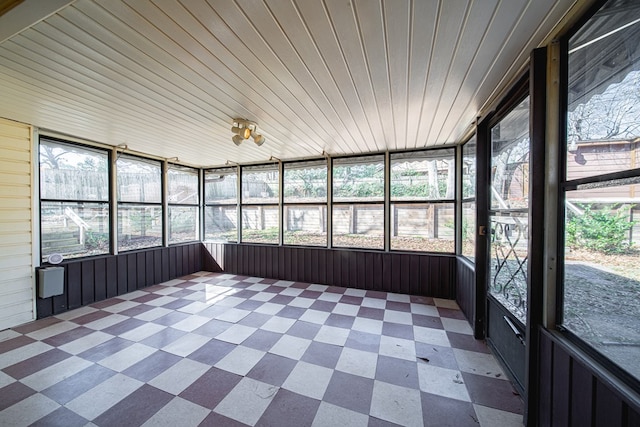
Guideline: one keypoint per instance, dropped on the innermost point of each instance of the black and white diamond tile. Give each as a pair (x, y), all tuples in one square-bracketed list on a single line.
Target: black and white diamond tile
[(219, 349)]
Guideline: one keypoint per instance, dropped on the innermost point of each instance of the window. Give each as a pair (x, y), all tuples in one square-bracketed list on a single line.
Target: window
[(358, 202), (260, 210), (601, 188), (305, 203), (139, 203), (469, 199), (422, 201), (221, 205), (74, 200), (183, 195)]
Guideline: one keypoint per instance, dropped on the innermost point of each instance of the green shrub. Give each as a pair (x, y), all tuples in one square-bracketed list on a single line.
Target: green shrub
[(96, 240), (603, 230), (399, 189)]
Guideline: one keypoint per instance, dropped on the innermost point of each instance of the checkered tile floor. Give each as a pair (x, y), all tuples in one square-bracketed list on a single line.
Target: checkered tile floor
[(224, 350)]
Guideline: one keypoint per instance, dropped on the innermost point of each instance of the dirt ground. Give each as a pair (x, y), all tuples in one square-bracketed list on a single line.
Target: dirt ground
[(627, 265), (602, 304)]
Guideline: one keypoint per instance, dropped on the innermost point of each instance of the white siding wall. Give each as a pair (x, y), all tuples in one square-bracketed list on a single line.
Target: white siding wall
[(16, 261)]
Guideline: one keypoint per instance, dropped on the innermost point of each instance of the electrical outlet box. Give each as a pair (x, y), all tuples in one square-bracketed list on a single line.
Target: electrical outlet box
[(50, 281)]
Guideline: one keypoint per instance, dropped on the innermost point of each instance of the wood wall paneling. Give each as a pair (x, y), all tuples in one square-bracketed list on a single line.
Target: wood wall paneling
[(100, 279), (344, 260), (256, 267), (166, 267), (183, 260), (633, 417), (268, 261), (176, 258), (415, 279), (561, 388), (194, 261), (243, 262), (248, 261), (229, 259), (157, 261), (465, 288), (438, 275), (150, 268), (329, 267), (93, 279), (308, 269), (290, 262), (141, 260), (419, 274), (112, 277), (310, 260), (354, 278), (546, 386), (299, 268), (171, 262), (368, 267), (262, 262), (58, 304), (45, 309), (394, 273), (74, 285), (132, 272), (187, 261), (233, 258), (122, 273), (335, 262), (340, 267), (425, 279), (435, 275), (608, 407), (582, 393), (88, 282), (573, 392), (378, 282)]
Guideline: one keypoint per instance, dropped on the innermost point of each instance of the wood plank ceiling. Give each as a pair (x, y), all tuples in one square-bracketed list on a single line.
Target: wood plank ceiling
[(166, 77)]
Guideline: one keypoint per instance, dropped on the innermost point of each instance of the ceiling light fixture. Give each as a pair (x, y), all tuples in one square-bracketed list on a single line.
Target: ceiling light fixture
[(245, 129)]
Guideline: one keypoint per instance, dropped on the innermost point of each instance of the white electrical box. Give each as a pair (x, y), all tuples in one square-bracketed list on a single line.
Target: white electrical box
[(50, 281)]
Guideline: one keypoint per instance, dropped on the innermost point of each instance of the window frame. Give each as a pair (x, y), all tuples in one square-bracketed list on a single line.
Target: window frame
[(106, 203), (341, 203), (470, 199), (236, 204), (435, 202), (196, 204), (119, 203), (244, 205), (566, 185), (285, 203), (115, 204)]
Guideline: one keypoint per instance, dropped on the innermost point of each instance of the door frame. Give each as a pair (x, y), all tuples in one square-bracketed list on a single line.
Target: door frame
[(533, 82), (505, 334)]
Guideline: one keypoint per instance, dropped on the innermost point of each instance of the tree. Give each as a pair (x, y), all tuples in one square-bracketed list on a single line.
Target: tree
[(51, 156), (90, 164), (451, 179), (612, 114)]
